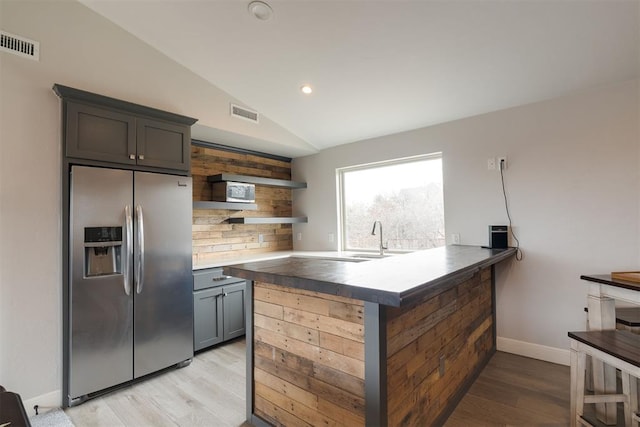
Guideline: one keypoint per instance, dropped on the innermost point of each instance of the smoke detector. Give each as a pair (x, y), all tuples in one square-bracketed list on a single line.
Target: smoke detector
[(260, 10)]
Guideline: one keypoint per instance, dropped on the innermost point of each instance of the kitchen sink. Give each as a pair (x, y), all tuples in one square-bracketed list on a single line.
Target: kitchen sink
[(373, 256), (345, 259)]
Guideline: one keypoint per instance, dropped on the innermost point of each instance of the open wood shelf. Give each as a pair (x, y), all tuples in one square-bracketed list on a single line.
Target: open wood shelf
[(270, 220), (256, 180), (236, 206), (269, 182)]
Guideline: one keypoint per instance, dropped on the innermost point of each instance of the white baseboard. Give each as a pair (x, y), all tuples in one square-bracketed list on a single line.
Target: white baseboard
[(45, 402), (535, 351)]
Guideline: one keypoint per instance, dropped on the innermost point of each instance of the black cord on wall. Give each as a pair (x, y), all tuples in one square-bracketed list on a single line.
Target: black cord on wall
[(519, 253)]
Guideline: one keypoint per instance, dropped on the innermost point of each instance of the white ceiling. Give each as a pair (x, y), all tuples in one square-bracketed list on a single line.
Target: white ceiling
[(381, 67)]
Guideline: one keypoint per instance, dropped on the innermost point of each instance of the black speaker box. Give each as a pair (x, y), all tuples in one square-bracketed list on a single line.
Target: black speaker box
[(498, 236)]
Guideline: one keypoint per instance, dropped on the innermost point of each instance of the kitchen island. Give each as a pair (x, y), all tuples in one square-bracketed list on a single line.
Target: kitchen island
[(391, 341)]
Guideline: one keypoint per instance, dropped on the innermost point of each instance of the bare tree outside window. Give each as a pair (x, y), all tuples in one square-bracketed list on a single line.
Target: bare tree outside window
[(405, 195)]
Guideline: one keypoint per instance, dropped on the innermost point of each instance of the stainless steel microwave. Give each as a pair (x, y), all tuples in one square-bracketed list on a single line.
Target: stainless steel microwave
[(228, 191)]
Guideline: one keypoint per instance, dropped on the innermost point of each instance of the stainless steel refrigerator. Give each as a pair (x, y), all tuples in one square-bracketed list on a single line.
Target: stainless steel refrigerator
[(130, 296)]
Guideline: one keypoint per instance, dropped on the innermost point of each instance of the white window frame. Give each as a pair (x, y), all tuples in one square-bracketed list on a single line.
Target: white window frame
[(341, 196)]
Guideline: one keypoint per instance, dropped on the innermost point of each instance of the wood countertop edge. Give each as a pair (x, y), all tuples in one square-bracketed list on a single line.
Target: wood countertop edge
[(377, 296), (453, 278)]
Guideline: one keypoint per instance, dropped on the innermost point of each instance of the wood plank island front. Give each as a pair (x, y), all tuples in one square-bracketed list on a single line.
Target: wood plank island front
[(389, 342)]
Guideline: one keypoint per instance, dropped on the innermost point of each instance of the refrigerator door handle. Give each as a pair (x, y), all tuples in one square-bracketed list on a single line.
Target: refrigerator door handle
[(140, 266), (128, 252)]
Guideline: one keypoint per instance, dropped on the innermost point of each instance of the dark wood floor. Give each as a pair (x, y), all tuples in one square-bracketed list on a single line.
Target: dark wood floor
[(516, 391), (511, 391)]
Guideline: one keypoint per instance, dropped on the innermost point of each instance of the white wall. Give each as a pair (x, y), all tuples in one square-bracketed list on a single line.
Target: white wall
[(573, 187), (78, 48)]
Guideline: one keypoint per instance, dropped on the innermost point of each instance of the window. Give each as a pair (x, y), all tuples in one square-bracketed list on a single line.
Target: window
[(405, 195)]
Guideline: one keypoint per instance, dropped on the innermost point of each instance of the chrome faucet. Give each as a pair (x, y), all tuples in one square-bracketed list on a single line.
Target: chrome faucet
[(373, 233)]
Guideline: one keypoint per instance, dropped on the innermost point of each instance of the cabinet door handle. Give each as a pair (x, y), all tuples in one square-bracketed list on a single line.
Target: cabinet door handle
[(141, 156), (225, 294), (132, 156)]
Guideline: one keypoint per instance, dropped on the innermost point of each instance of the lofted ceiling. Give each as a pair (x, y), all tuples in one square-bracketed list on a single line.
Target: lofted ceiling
[(382, 67)]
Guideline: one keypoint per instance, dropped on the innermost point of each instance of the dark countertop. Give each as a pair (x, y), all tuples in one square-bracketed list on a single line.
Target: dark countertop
[(395, 281)]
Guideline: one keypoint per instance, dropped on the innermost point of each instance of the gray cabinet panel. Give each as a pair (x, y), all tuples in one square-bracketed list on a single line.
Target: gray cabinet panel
[(211, 277), (100, 134), (233, 309), (207, 318), (163, 145)]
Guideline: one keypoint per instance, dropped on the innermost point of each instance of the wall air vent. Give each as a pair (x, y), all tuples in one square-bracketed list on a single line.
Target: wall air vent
[(243, 113), (19, 46)]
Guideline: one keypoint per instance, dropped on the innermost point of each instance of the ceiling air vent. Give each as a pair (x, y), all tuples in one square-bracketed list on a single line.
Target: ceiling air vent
[(19, 46), (243, 113)]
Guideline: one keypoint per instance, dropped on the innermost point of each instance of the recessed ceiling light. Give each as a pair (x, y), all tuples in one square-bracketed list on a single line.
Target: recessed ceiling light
[(306, 89), (260, 10)]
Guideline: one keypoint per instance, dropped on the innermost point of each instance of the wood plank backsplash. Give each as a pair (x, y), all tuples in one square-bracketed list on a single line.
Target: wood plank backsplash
[(214, 239)]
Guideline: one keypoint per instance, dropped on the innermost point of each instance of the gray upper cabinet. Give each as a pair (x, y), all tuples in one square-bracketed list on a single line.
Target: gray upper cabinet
[(100, 134), (163, 145), (104, 129)]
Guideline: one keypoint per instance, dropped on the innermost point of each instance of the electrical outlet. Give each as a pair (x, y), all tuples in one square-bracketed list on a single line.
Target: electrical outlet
[(455, 238), (491, 163), (502, 163), (260, 238), (299, 236), (331, 237)]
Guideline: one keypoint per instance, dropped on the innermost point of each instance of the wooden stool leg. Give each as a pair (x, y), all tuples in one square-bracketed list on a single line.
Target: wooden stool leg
[(573, 355), (589, 378), (602, 316), (633, 399), (627, 401), (578, 372)]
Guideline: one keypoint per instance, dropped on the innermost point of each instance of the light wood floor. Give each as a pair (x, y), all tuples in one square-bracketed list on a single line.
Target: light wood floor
[(512, 390), (208, 392)]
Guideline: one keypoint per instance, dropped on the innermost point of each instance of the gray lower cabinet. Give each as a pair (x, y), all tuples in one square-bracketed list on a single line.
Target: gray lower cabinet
[(207, 318), (233, 310), (218, 308)]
